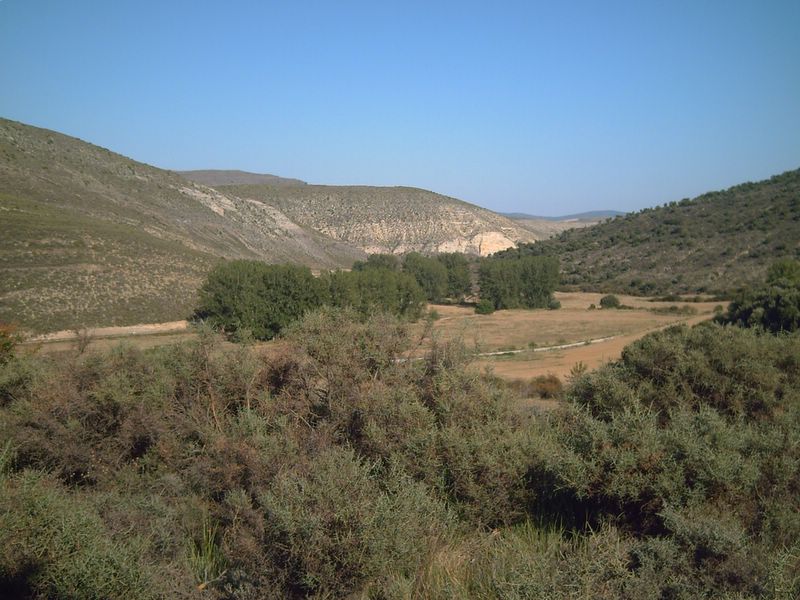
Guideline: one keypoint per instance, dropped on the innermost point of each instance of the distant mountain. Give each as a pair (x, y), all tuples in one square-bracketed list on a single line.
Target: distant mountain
[(212, 177), (89, 237), (390, 219), (591, 215), (713, 243)]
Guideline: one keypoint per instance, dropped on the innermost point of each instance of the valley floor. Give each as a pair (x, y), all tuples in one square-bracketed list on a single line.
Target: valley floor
[(514, 344)]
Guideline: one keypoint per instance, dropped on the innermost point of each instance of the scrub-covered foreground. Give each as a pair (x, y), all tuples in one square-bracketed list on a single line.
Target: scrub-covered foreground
[(339, 469)]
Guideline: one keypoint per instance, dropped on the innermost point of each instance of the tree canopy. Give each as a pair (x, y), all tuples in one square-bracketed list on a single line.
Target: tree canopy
[(524, 282)]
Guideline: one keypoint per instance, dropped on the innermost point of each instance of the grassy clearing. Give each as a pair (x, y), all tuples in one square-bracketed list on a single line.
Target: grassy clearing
[(574, 322)]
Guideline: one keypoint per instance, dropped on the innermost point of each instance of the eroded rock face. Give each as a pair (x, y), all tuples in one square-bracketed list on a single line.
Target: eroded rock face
[(393, 220)]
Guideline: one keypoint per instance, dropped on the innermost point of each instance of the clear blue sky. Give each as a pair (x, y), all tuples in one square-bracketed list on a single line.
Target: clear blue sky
[(546, 108)]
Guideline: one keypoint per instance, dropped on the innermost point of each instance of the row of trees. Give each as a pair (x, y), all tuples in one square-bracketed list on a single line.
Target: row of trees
[(441, 277), (522, 282), (263, 299)]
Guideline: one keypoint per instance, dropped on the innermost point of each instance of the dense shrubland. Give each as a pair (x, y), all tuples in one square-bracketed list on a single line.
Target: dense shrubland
[(336, 467)]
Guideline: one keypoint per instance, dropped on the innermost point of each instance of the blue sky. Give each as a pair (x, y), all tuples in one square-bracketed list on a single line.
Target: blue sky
[(546, 108)]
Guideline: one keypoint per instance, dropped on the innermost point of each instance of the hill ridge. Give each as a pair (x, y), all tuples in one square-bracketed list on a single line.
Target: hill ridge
[(716, 242)]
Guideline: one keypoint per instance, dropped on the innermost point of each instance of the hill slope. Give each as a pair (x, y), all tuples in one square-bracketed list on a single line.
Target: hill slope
[(715, 242), (215, 177), (547, 227), (89, 237), (391, 219)]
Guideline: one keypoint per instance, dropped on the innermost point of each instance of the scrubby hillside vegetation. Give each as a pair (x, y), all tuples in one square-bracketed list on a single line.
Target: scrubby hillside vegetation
[(214, 177), (89, 237), (338, 468), (392, 220), (715, 243)]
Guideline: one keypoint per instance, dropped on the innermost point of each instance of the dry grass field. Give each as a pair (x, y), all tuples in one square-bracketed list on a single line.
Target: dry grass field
[(523, 335), (520, 338)]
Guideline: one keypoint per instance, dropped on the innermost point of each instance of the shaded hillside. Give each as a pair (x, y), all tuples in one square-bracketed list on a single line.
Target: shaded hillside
[(89, 237), (715, 243), (392, 219), (214, 177)]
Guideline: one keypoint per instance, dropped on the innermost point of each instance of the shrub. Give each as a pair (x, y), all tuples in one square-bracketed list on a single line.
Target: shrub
[(9, 338), (53, 546), (484, 307), (338, 529), (547, 386), (609, 301)]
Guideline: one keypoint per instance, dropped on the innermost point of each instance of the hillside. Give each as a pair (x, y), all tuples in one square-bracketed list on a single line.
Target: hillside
[(215, 177), (89, 237), (713, 243), (391, 219), (590, 215)]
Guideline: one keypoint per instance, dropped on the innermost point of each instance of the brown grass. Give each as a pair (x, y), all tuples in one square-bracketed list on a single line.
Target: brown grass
[(512, 330)]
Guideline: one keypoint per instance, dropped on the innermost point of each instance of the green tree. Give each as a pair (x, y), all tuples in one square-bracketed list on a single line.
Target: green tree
[(378, 261), (256, 296), (784, 272), (459, 282), (526, 282), (431, 275), (773, 307), (373, 290)]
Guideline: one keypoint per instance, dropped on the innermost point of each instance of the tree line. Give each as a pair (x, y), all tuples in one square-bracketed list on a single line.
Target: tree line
[(246, 295)]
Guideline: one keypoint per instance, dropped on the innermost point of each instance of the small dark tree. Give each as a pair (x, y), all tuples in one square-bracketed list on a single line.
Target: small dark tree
[(609, 301), (378, 261)]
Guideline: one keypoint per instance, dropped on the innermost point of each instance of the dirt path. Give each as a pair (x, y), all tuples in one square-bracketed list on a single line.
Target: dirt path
[(106, 332), (559, 362)]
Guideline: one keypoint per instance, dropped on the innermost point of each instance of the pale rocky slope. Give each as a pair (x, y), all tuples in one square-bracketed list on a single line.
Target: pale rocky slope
[(392, 220)]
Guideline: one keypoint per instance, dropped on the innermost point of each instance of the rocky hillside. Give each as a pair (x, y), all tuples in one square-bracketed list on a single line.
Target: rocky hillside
[(713, 243), (89, 237), (391, 219)]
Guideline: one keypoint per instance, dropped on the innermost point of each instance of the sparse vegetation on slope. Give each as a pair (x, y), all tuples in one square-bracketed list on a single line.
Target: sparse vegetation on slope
[(715, 243), (89, 237), (392, 220)]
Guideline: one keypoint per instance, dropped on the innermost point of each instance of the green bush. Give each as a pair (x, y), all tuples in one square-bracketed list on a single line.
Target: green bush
[(54, 546), (484, 307), (609, 301), (349, 463)]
